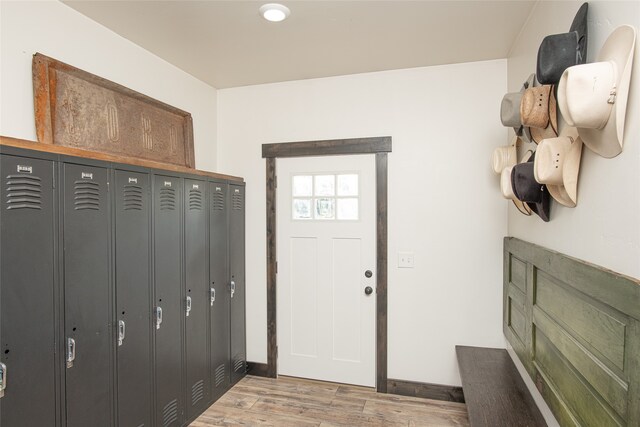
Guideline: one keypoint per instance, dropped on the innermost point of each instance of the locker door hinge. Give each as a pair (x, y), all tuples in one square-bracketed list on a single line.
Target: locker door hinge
[(276, 267), (53, 180), (108, 186), (276, 181)]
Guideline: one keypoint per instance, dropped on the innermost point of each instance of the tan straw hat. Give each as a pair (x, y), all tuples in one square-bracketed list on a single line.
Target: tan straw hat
[(593, 97), (557, 164), (507, 190), (538, 112), (504, 156)]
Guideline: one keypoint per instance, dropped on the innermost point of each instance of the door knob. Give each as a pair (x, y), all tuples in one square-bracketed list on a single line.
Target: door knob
[(368, 274), (368, 290)]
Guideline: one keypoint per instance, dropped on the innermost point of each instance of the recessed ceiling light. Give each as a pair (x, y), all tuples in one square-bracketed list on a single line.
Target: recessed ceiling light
[(274, 12)]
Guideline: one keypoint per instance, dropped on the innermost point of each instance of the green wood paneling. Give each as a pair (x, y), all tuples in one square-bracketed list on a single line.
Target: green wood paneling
[(576, 329), (518, 274), (595, 325), (518, 297), (603, 380), (518, 322), (584, 403)]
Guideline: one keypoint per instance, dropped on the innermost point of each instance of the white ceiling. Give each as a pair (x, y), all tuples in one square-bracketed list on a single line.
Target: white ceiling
[(228, 44)]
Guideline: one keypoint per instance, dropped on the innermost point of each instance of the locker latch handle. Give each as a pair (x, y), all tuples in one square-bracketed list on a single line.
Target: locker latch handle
[(3, 378), (71, 352), (233, 288), (158, 317), (121, 332), (188, 306), (212, 294)]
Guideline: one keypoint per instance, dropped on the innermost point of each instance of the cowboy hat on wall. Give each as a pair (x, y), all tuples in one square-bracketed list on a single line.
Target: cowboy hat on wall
[(538, 112), (557, 165), (527, 189), (558, 52), (510, 109), (507, 189), (505, 156), (593, 97)]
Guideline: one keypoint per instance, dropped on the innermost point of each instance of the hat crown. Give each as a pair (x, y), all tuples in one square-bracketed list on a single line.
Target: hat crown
[(550, 158), (589, 92), (534, 106), (503, 157), (505, 183), (510, 109)]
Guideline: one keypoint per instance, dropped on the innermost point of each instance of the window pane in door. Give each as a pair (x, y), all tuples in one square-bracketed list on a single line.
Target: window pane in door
[(325, 208), (302, 185), (325, 185), (301, 209), (348, 185), (348, 209)]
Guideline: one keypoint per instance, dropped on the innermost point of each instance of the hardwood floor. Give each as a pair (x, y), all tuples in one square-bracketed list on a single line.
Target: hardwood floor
[(299, 402)]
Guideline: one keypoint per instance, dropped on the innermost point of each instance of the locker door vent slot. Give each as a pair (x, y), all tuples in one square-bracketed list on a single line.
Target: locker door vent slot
[(238, 363), (132, 195), (86, 195), (237, 202), (197, 392), (218, 201), (220, 374), (167, 199), (24, 192), (170, 413), (195, 200)]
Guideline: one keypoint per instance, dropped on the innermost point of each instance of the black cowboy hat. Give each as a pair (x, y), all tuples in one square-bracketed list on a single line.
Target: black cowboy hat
[(558, 52), (526, 189)]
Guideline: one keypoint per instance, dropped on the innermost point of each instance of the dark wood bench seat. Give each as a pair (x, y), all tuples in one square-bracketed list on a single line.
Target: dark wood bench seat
[(494, 391)]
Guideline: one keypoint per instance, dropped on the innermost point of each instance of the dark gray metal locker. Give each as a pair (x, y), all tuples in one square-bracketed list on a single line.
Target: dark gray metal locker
[(88, 296), (237, 282), (168, 300), (219, 283), (133, 298), (27, 289), (196, 295)]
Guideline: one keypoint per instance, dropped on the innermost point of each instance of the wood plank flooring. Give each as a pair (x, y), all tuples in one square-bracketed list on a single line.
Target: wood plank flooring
[(258, 401)]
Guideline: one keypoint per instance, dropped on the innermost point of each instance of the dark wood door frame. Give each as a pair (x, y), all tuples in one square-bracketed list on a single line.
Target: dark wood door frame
[(379, 146)]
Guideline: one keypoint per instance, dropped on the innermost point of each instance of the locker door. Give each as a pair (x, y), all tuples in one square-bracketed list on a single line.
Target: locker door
[(133, 298), (88, 320), (27, 323), (196, 295), (237, 282), (168, 310), (219, 283)]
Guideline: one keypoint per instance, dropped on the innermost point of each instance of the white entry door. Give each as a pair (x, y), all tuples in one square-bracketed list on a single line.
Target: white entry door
[(326, 268)]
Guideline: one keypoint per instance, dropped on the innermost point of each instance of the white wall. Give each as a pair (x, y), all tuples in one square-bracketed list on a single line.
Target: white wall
[(605, 226), (443, 199), (56, 30)]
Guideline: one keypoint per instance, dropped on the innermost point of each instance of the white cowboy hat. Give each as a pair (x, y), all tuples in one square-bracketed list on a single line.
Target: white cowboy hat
[(593, 97), (557, 164), (505, 156), (507, 189)]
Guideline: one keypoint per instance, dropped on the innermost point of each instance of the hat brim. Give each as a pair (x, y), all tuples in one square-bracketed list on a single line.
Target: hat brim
[(619, 48), (542, 209)]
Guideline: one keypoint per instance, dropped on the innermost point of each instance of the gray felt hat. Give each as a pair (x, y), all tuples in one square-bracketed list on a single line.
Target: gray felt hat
[(510, 110)]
